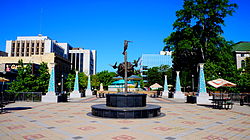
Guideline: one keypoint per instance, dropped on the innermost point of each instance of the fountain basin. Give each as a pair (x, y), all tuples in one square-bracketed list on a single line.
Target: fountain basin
[(101, 110)]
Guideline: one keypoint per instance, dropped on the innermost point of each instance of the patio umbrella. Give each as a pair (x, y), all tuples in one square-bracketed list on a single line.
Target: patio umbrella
[(117, 78), (121, 82), (2, 79), (221, 83), (134, 77), (155, 86)]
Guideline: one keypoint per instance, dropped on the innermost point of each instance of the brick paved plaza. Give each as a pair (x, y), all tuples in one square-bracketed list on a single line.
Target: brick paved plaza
[(73, 120)]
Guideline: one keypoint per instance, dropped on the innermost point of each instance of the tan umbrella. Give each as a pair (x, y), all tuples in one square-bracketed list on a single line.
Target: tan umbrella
[(2, 79), (221, 83), (155, 86)]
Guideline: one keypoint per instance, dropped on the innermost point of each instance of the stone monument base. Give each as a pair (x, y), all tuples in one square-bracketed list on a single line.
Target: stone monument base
[(203, 99), (165, 93), (179, 95), (88, 92), (50, 98), (75, 94), (126, 105)]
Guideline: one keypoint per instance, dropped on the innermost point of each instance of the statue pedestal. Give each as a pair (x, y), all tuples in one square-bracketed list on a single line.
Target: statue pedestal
[(88, 92), (165, 94), (179, 95), (50, 97), (75, 94), (203, 99)]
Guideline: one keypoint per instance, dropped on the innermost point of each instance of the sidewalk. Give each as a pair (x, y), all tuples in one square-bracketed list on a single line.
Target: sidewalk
[(73, 120)]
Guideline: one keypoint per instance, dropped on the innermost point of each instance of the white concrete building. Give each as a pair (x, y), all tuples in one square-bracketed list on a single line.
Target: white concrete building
[(26, 46), (83, 60), (30, 46)]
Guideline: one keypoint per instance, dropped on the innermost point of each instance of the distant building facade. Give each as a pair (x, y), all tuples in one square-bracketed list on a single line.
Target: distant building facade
[(148, 61), (3, 53), (83, 60), (38, 49), (242, 51)]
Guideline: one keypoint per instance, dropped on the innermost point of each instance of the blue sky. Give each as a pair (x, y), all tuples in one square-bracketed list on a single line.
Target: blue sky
[(103, 25)]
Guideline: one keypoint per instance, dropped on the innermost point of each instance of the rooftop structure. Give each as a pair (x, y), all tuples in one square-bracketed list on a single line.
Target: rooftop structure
[(154, 60), (242, 51)]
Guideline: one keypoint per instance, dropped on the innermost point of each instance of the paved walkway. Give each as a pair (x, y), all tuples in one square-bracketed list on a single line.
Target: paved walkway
[(73, 120)]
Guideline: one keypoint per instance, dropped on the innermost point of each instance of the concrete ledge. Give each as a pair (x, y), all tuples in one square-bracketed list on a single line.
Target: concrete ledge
[(204, 100), (179, 95), (88, 92), (75, 94), (165, 93), (50, 98)]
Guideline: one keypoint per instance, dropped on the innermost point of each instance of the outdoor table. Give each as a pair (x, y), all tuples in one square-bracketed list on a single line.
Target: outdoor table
[(222, 103)]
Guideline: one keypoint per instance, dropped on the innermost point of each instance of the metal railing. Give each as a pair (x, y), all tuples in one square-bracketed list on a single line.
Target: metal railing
[(28, 96)]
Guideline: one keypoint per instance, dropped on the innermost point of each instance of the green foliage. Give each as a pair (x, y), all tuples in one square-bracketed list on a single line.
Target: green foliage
[(95, 81), (26, 81), (156, 75), (106, 77), (247, 68), (197, 39), (83, 80), (70, 81), (42, 81)]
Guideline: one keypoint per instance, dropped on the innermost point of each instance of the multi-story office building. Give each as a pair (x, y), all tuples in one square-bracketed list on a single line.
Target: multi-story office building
[(83, 60), (154, 60), (38, 49), (242, 51), (35, 45)]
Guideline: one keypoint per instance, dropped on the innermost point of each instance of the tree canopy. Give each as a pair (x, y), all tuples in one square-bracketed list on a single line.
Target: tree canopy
[(27, 81), (156, 75), (197, 38)]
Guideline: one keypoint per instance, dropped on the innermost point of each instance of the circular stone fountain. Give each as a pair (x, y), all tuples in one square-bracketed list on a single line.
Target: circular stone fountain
[(126, 105)]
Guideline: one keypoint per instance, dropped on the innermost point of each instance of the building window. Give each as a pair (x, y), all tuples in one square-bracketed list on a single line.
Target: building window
[(243, 64), (13, 49), (242, 55)]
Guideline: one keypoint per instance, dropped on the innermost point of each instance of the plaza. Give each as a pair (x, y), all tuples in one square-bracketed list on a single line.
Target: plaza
[(73, 120)]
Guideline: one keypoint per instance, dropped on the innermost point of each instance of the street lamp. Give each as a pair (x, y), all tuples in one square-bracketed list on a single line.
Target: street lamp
[(192, 82), (62, 85)]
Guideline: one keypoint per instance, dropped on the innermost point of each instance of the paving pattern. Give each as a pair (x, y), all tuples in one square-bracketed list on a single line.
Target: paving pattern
[(73, 120)]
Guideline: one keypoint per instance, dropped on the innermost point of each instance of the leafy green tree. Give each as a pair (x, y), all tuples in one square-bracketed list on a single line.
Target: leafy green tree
[(247, 68), (106, 77), (25, 81), (156, 75), (197, 36), (95, 81), (42, 80), (70, 81), (83, 81)]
